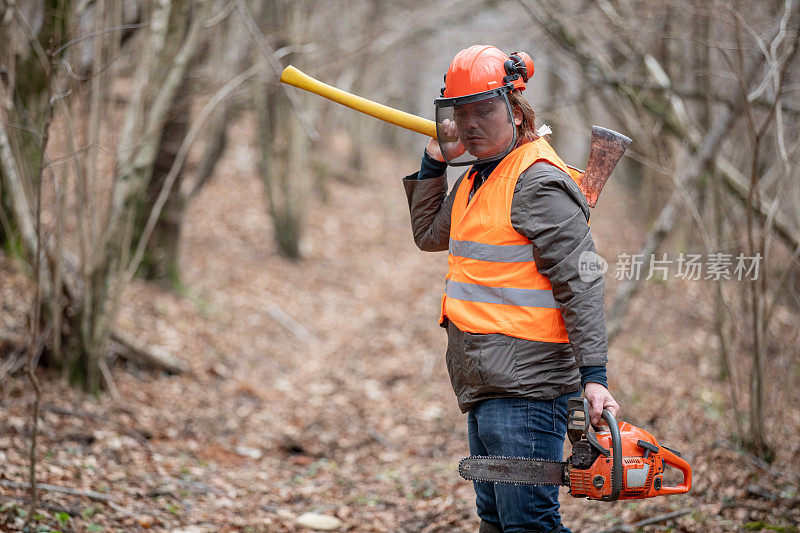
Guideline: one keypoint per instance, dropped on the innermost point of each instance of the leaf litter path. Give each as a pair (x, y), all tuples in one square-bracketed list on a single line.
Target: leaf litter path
[(320, 385)]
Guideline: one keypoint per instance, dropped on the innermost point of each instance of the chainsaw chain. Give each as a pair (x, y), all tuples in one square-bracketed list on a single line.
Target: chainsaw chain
[(504, 457)]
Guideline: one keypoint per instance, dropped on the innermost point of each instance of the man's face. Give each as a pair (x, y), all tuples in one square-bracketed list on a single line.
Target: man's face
[(484, 128)]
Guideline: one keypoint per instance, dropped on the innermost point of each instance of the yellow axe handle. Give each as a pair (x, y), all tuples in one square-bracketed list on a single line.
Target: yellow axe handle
[(294, 77)]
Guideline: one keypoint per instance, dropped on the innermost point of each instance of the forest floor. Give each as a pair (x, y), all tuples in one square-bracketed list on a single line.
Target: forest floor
[(345, 409)]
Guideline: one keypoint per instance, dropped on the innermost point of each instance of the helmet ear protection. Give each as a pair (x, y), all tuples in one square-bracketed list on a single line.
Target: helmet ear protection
[(519, 65)]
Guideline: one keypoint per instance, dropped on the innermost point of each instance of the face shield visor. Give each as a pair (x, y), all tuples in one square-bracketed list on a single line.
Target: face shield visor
[(475, 129)]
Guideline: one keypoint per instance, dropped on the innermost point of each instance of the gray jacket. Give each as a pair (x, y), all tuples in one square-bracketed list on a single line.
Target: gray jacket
[(549, 209)]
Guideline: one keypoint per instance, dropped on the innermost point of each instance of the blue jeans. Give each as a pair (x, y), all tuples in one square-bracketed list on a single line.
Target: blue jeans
[(518, 427)]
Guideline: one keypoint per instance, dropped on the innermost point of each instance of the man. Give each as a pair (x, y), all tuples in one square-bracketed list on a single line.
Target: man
[(525, 332)]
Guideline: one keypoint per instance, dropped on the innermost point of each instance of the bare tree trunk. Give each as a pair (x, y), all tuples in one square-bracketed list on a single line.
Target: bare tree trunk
[(160, 259), (34, 348), (284, 145), (7, 231), (229, 55)]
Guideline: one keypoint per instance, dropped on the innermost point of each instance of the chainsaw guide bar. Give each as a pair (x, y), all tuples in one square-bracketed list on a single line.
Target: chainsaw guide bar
[(513, 470)]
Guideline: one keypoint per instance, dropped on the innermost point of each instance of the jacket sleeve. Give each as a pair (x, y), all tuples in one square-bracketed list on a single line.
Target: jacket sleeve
[(430, 208), (550, 209)]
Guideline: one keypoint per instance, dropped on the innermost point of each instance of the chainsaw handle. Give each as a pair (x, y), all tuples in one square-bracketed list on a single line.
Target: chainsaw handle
[(578, 424), (616, 457), (669, 458)]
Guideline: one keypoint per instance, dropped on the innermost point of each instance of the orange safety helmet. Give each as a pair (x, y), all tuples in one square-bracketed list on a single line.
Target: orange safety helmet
[(474, 117), (482, 68)]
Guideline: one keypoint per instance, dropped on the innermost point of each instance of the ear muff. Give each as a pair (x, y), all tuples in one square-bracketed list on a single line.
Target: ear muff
[(515, 65), (518, 65), (524, 64), (511, 70)]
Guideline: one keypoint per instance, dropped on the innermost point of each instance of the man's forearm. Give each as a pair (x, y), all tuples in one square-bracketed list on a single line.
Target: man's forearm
[(594, 374), (430, 205), (431, 228), (585, 320)]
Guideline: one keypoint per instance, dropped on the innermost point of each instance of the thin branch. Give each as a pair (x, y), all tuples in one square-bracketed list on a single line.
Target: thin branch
[(694, 94), (99, 32), (22, 127), (34, 348), (222, 15), (56, 306), (108, 378), (56, 508), (269, 54), (622, 528), (63, 490), (42, 55), (71, 73), (68, 158), (290, 324), (8, 337), (137, 435), (135, 350)]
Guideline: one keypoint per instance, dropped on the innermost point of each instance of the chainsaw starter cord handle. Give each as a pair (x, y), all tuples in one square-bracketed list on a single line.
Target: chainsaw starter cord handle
[(616, 457)]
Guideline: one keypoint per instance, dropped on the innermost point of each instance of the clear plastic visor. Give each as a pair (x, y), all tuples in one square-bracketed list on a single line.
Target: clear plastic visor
[(475, 130)]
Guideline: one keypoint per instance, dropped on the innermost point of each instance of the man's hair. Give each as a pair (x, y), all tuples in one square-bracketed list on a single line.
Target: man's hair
[(526, 132)]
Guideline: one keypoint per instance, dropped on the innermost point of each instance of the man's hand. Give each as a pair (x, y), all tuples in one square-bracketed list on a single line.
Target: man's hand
[(599, 399), (451, 142), (434, 151)]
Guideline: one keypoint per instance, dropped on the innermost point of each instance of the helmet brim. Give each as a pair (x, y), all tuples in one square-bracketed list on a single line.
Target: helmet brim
[(470, 98)]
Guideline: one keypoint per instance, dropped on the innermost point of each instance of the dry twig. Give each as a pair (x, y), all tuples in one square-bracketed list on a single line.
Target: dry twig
[(130, 348), (622, 528), (56, 488)]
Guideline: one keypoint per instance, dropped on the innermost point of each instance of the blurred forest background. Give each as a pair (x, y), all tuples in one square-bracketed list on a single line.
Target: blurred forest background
[(213, 316)]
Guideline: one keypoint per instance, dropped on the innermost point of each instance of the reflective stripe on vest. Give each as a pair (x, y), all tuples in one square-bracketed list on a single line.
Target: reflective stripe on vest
[(512, 253), (500, 295), (493, 285)]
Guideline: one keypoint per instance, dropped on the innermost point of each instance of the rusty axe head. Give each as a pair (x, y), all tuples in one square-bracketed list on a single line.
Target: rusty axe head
[(606, 147)]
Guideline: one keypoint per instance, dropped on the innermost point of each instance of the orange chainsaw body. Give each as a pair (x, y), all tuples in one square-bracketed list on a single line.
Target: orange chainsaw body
[(643, 464)]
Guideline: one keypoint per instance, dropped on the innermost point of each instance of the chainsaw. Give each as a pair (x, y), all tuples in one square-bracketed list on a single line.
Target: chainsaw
[(623, 463)]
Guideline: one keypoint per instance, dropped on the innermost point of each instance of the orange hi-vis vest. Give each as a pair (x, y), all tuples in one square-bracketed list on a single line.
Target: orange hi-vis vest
[(492, 284)]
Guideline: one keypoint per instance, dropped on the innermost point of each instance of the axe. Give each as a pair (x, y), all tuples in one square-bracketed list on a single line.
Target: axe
[(605, 148)]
